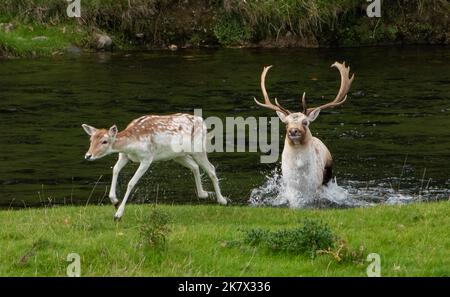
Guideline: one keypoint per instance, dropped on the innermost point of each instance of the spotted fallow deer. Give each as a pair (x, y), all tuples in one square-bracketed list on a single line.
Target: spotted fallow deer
[(306, 162), (154, 138)]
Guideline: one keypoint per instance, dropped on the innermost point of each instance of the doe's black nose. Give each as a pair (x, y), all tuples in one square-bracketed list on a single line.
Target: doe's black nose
[(87, 156)]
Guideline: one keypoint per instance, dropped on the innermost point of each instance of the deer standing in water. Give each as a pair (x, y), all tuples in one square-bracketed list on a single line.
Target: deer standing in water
[(306, 162), (154, 138)]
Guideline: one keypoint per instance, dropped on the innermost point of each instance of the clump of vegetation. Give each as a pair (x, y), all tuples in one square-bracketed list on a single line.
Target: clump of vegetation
[(154, 229), (306, 239), (230, 30), (343, 253), (312, 238), (273, 19), (309, 238), (255, 237)]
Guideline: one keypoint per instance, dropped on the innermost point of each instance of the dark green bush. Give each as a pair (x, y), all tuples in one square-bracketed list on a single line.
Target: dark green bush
[(230, 30), (255, 237), (306, 239)]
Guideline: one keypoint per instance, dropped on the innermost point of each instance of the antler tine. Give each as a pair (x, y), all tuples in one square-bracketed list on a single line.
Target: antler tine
[(267, 103), (346, 82), (281, 107), (263, 84), (304, 107)]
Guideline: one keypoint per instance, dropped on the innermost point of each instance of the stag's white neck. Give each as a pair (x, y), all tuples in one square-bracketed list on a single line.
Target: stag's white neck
[(302, 170)]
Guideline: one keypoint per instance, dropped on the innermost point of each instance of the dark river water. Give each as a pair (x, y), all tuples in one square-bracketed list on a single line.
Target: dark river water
[(391, 136)]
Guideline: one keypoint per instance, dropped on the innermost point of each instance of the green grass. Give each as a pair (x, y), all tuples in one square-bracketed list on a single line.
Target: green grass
[(412, 240), (20, 42)]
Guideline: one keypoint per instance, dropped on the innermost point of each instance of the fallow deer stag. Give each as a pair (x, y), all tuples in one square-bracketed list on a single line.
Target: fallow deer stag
[(154, 138), (306, 162)]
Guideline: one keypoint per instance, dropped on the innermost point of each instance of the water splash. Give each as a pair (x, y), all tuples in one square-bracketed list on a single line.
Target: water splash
[(351, 194), (274, 192)]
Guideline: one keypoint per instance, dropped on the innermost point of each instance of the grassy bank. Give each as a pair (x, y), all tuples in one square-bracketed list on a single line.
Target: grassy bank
[(142, 24), (199, 240)]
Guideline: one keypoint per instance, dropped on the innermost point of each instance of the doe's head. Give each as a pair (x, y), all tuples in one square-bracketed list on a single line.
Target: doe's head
[(101, 141)]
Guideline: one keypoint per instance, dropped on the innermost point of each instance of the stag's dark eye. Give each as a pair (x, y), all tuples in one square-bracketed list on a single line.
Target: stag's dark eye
[(305, 123), (105, 142)]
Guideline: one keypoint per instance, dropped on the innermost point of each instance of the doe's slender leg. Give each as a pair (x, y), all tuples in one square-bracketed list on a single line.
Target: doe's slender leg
[(121, 162), (202, 160), (143, 167), (188, 162)]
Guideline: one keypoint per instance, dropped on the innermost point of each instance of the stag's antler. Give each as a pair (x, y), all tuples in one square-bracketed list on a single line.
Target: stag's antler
[(341, 96), (267, 103)]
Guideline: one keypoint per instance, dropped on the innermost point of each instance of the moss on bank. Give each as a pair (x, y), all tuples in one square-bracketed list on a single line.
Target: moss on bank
[(39, 40), (200, 240), (269, 23)]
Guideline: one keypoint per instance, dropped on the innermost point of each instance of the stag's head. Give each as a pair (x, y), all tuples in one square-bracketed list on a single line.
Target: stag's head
[(297, 123), (101, 141)]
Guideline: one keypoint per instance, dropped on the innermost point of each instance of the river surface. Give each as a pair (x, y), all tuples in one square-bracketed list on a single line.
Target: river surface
[(390, 141)]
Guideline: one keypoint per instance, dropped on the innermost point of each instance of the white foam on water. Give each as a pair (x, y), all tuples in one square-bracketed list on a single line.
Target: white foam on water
[(400, 199), (339, 196), (274, 192)]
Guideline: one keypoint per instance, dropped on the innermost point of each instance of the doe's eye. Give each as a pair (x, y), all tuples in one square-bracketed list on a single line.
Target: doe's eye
[(104, 142), (305, 123)]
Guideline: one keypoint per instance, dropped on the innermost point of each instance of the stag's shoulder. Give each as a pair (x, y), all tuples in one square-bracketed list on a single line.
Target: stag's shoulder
[(326, 159), (320, 146), (322, 151)]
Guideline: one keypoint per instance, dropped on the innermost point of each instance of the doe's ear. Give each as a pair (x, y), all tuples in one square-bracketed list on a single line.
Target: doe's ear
[(314, 114), (282, 116), (113, 131), (89, 129)]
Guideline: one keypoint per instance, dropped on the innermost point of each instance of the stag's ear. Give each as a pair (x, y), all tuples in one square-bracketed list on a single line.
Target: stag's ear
[(113, 131), (89, 129), (314, 114), (282, 116)]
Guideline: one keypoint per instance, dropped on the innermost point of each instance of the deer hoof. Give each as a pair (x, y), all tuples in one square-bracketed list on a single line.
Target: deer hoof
[(203, 194), (117, 218), (222, 201)]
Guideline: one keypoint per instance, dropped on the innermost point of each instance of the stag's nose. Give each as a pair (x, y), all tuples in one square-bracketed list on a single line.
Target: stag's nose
[(294, 132), (88, 156)]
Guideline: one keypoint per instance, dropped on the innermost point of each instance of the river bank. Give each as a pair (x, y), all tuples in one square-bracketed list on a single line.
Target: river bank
[(42, 28)]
